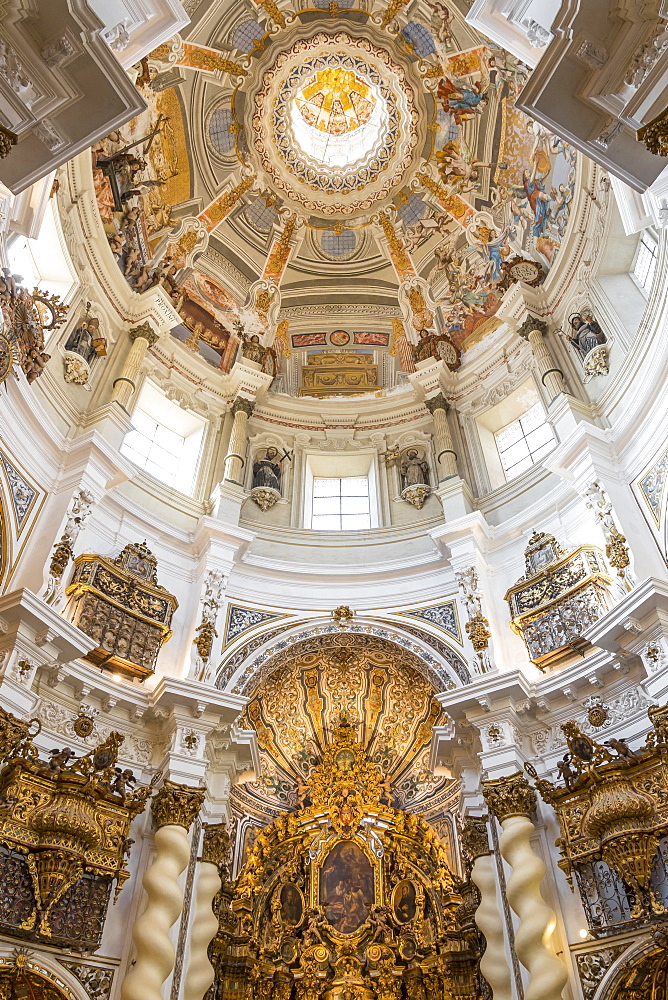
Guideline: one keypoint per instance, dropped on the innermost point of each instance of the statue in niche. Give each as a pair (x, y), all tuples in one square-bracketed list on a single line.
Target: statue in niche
[(86, 339), (267, 471), (414, 469), (590, 343), (587, 334)]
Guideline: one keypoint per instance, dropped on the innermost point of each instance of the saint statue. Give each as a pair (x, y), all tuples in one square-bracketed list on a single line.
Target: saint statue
[(86, 339), (267, 471), (253, 350), (587, 333), (414, 470)]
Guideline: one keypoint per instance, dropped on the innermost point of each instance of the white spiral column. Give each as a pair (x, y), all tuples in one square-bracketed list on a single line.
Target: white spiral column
[(174, 808), (494, 963), (512, 801), (212, 867)]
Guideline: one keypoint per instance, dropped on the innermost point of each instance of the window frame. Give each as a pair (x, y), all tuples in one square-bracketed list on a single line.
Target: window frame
[(649, 240), (199, 430), (362, 464), (524, 437)]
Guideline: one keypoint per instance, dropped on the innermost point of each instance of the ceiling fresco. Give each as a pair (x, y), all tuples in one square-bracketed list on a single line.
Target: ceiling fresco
[(295, 710), (290, 141)]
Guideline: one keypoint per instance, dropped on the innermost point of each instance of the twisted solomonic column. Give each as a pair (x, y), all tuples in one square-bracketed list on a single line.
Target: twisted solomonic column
[(174, 809), (512, 800), (494, 963), (212, 867)]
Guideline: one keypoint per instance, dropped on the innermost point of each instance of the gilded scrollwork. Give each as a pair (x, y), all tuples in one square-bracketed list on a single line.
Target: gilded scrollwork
[(119, 603), (612, 806), (561, 594), (64, 834), (347, 896)]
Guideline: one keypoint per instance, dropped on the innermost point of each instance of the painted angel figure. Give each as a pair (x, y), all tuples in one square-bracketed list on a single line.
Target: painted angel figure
[(461, 101), (458, 166), (443, 19)]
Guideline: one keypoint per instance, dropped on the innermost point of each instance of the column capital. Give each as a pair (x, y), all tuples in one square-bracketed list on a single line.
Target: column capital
[(530, 324), (177, 805), (474, 837), (509, 796), (216, 844), (144, 330), (437, 402), (241, 403)]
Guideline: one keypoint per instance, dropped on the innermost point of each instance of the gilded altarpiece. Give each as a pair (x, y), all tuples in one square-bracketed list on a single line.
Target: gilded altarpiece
[(346, 897)]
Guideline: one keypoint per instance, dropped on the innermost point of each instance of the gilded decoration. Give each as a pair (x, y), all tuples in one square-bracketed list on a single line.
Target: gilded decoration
[(63, 835), (346, 895), (120, 605), (509, 796), (559, 597), (335, 123), (612, 805), (338, 373), (387, 699), (177, 805)]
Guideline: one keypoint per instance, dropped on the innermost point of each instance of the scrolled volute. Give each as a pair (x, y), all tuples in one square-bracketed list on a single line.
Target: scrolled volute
[(177, 805), (509, 796)]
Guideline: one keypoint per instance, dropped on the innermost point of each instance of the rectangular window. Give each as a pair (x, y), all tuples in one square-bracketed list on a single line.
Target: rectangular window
[(341, 504), (645, 263), (165, 440), (524, 442)]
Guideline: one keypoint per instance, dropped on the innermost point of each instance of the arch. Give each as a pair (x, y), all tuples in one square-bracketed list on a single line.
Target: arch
[(443, 668), (43, 978), (641, 970)]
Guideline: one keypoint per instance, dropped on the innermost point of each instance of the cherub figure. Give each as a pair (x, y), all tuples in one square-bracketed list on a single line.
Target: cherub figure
[(623, 750), (59, 759), (566, 771)]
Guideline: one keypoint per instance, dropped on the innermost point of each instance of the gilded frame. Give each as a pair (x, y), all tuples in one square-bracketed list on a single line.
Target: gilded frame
[(317, 864)]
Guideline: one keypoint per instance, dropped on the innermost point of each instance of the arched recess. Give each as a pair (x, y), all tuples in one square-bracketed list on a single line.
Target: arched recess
[(444, 668), (640, 972), (300, 686), (22, 977)]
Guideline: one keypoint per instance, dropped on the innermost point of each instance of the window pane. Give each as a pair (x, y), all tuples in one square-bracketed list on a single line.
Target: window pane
[(326, 487), (509, 434), (521, 466), (169, 440), (543, 450), (326, 523), (515, 453), (357, 487), (144, 423), (355, 522), (354, 505), (539, 436), (532, 418), (138, 442), (326, 505)]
